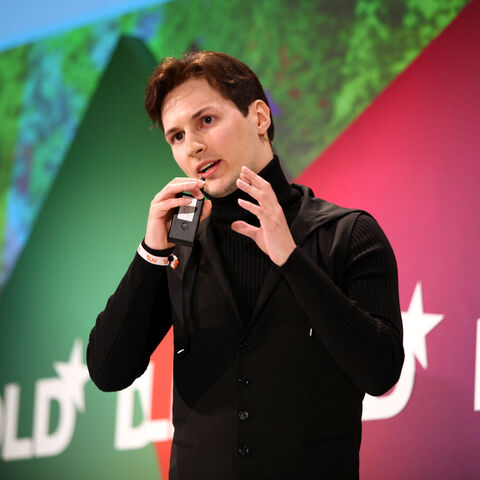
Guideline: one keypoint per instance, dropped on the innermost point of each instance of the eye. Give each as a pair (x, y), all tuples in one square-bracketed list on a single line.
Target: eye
[(208, 119), (177, 137)]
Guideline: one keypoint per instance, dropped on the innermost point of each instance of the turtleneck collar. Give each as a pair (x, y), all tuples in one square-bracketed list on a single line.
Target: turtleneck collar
[(227, 208)]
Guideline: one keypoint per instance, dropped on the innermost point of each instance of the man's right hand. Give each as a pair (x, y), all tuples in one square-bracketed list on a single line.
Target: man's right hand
[(161, 209)]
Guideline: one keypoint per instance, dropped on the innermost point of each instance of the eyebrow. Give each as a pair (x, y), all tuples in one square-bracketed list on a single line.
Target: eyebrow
[(194, 117)]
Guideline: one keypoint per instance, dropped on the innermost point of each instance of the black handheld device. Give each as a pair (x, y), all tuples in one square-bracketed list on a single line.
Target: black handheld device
[(185, 221)]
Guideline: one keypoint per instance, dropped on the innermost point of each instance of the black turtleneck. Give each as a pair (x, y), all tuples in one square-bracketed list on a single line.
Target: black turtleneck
[(245, 264)]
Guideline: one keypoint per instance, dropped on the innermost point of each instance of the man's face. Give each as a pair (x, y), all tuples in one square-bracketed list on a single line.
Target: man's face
[(209, 136)]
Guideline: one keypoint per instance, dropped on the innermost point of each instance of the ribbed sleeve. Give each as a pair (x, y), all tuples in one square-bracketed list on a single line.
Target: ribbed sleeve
[(135, 319), (361, 327)]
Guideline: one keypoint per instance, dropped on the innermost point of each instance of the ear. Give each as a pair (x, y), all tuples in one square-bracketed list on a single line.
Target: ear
[(262, 116)]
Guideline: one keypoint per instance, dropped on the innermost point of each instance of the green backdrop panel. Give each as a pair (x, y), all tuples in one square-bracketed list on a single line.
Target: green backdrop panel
[(80, 247)]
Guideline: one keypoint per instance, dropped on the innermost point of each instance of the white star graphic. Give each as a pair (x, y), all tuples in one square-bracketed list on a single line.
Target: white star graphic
[(416, 325), (74, 375)]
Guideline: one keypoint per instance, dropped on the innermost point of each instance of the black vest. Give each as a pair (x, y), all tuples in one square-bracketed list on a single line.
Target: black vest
[(264, 400)]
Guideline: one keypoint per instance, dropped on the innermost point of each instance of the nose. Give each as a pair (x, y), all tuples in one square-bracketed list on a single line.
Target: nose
[(195, 146)]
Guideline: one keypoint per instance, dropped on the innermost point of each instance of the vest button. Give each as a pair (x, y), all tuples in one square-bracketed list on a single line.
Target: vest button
[(243, 381), (244, 450), (245, 347), (243, 415)]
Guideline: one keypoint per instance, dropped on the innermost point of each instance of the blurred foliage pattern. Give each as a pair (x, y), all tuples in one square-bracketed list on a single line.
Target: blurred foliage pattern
[(321, 62)]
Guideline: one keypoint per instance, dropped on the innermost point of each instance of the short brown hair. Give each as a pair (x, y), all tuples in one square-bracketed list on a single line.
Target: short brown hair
[(232, 78)]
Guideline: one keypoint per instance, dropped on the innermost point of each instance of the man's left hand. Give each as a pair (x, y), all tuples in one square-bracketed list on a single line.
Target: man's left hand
[(273, 236)]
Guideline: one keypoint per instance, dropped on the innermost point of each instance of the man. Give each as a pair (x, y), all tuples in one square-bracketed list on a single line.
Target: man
[(285, 311)]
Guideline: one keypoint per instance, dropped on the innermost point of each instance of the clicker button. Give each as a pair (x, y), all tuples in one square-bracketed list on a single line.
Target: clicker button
[(243, 381), (244, 450), (243, 415)]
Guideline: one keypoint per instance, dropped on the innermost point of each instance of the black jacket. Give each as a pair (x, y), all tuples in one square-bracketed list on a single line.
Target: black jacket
[(280, 398)]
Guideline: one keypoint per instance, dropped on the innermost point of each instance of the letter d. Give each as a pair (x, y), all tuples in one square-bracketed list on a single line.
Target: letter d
[(49, 444)]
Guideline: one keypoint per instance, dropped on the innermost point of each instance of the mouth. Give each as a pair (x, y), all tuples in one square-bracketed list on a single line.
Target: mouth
[(208, 169)]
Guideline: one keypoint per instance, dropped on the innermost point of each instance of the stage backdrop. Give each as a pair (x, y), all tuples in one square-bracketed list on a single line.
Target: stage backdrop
[(321, 62), (410, 159)]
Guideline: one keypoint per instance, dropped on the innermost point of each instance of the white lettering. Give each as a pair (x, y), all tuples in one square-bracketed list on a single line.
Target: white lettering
[(416, 326), (387, 406), (14, 448), (129, 437), (67, 390), (49, 444)]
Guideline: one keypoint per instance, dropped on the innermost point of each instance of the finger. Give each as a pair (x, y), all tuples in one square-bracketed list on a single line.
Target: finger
[(251, 177), (245, 229), (251, 207), (259, 189), (160, 208), (183, 179), (186, 186), (250, 189), (196, 192), (170, 190), (173, 188)]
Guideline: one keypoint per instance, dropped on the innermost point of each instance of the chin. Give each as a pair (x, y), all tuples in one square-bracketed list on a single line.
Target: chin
[(220, 191)]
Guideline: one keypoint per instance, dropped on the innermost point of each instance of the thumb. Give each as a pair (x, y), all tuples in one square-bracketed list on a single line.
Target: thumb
[(206, 210)]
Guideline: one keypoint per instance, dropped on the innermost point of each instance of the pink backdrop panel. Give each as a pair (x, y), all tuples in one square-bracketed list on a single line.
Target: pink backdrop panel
[(412, 160)]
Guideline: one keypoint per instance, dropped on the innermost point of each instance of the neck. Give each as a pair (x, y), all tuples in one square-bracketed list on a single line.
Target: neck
[(265, 155)]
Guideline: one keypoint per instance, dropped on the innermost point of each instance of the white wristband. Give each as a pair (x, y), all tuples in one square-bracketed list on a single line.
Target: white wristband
[(171, 260)]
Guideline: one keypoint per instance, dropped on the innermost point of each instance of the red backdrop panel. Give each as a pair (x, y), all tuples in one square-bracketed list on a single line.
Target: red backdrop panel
[(412, 160)]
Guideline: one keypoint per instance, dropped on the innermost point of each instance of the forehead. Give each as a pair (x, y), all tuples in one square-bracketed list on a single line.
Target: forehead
[(188, 98)]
